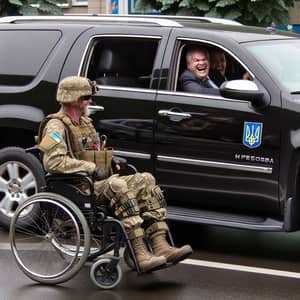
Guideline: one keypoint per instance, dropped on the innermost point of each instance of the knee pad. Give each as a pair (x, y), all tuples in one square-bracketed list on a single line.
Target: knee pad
[(121, 200), (155, 199), (127, 209), (157, 193)]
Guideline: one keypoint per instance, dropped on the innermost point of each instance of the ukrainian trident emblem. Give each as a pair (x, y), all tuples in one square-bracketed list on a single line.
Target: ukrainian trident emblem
[(252, 134)]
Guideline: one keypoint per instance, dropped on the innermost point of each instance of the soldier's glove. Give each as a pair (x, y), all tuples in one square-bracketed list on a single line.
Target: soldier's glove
[(118, 161), (99, 174)]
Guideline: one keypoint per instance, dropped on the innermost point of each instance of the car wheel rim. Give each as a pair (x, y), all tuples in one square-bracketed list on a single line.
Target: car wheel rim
[(17, 183)]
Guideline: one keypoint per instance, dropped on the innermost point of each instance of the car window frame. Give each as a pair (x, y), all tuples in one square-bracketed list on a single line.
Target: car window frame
[(180, 42), (88, 52)]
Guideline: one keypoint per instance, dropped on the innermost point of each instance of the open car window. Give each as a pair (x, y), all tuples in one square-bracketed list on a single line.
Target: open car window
[(233, 69)]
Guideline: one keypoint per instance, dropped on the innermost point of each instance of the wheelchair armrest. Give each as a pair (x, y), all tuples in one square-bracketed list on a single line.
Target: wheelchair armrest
[(84, 176), (129, 170), (126, 168), (62, 176), (34, 150), (132, 168)]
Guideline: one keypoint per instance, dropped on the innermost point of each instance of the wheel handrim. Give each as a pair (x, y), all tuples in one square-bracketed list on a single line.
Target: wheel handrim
[(44, 245)]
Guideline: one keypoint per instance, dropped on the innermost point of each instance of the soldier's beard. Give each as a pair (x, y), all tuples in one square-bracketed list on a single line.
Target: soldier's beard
[(84, 110)]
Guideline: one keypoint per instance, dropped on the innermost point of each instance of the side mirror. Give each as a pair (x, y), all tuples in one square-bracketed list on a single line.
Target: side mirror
[(244, 90)]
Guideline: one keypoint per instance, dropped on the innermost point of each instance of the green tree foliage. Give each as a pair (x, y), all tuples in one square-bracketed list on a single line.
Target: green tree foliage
[(30, 7), (250, 12)]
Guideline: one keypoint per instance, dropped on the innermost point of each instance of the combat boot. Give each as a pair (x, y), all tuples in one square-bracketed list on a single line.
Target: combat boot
[(161, 247), (146, 260)]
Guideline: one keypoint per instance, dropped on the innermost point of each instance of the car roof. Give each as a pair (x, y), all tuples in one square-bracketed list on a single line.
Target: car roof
[(218, 26)]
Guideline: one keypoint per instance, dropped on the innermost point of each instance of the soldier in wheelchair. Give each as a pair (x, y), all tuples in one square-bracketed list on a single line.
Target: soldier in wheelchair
[(70, 144)]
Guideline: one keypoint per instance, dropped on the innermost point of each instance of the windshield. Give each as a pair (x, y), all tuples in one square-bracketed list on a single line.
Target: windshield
[(281, 58)]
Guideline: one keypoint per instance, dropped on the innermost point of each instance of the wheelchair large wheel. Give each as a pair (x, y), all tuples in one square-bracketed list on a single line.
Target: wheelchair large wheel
[(56, 244), (21, 176), (106, 274)]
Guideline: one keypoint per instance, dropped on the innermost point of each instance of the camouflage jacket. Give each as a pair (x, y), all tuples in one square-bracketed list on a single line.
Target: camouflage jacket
[(59, 154)]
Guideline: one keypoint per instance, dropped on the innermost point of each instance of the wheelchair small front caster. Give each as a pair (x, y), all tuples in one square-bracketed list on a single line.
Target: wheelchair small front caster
[(105, 273)]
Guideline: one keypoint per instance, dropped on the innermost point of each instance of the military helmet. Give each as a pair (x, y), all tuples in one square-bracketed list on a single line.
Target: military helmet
[(73, 87)]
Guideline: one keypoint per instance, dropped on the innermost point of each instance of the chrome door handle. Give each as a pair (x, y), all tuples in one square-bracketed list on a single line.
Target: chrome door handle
[(174, 114), (94, 108)]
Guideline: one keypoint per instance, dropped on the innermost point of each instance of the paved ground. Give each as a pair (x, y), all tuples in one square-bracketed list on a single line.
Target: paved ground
[(209, 275)]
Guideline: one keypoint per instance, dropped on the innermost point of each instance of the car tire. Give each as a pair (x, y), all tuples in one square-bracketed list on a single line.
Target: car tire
[(21, 176)]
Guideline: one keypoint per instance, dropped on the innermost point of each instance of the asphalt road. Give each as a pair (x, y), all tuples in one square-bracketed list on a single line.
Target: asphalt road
[(227, 264)]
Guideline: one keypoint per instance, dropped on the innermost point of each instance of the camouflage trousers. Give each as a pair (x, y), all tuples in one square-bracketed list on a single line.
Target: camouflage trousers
[(133, 198)]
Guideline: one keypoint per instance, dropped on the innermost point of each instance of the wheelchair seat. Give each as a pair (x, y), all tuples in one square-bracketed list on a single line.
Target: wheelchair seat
[(71, 187)]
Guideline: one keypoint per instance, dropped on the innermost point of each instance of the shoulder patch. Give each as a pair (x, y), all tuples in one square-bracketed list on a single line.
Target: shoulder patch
[(49, 141), (56, 137)]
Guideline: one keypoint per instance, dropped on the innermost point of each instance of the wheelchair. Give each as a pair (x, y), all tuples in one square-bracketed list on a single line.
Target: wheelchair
[(68, 231)]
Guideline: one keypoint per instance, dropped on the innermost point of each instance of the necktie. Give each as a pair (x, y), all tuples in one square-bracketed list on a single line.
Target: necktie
[(209, 83)]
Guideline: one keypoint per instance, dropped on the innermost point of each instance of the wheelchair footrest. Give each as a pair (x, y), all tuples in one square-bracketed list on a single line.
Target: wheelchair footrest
[(167, 265)]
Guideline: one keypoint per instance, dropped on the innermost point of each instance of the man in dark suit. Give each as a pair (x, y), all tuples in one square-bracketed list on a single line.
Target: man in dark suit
[(195, 78)]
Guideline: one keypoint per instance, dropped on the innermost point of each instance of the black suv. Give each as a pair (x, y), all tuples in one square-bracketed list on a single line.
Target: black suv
[(229, 160)]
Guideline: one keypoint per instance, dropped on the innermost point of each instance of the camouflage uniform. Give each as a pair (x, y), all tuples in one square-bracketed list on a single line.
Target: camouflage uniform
[(134, 198), (68, 147)]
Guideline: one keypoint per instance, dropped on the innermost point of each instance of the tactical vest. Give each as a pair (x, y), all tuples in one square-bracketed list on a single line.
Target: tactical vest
[(82, 141)]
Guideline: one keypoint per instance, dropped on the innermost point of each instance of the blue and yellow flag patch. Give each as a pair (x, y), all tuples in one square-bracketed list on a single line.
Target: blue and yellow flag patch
[(56, 137)]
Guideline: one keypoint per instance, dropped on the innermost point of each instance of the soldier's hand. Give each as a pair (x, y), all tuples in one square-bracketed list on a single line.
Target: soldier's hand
[(99, 174), (118, 163)]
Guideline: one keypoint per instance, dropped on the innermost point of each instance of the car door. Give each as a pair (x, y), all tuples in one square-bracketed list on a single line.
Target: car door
[(206, 158), (125, 64)]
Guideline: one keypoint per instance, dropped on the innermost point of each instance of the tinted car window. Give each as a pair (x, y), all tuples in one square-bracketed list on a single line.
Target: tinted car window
[(19, 64), (281, 59), (123, 61)]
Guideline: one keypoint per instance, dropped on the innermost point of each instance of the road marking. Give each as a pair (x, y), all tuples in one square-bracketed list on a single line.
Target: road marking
[(241, 268), (4, 246), (205, 263)]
